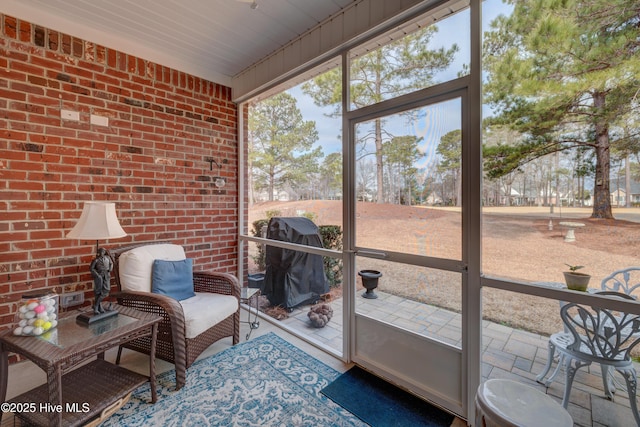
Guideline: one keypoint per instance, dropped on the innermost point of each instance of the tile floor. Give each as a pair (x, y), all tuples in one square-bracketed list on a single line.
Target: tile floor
[(508, 353)]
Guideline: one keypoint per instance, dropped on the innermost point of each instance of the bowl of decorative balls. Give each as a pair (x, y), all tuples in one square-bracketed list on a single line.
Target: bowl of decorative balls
[(37, 314)]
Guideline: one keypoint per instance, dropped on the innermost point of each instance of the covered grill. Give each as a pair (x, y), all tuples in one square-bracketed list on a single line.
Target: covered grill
[(293, 277)]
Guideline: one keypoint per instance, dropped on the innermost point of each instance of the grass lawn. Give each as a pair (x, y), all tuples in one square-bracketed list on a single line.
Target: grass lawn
[(516, 243)]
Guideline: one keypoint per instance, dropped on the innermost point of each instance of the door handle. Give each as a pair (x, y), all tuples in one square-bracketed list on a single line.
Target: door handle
[(372, 254)]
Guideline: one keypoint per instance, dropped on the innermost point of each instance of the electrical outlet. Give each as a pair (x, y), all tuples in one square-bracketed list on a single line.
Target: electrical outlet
[(71, 298), (99, 120)]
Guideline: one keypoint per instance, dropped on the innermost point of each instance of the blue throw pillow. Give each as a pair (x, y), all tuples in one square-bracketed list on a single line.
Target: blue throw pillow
[(173, 278)]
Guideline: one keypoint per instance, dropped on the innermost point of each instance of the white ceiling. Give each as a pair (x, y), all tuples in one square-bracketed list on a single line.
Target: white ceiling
[(213, 39)]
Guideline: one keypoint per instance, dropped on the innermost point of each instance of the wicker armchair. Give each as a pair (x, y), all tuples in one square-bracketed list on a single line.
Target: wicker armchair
[(173, 342)]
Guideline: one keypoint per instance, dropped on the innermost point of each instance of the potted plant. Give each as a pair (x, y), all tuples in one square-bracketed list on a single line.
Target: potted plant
[(576, 281)]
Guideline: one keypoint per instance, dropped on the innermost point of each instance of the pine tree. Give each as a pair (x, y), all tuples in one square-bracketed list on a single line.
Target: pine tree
[(562, 72), (281, 150), (394, 69)]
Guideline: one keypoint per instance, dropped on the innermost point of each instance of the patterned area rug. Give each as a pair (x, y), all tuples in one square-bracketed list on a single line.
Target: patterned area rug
[(263, 382)]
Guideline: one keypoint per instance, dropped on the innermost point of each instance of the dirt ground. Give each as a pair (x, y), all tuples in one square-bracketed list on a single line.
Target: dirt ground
[(516, 243)]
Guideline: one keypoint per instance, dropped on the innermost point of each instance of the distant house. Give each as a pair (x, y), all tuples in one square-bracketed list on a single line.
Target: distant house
[(521, 197), (281, 196), (278, 195), (433, 199), (619, 193)]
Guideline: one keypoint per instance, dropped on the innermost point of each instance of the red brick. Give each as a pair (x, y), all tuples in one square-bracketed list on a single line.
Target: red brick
[(43, 120), (13, 135), (76, 71), (50, 67), (25, 31), (77, 47), (13, 94), (46, 187), (14, 115), (101, 54), (89, 52), (18, 54), (10, 27), (65, 43), (43, 100), (53, 39), (21, 87)]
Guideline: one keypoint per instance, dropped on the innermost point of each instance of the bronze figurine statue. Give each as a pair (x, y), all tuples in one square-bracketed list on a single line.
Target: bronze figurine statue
[(101, 268)]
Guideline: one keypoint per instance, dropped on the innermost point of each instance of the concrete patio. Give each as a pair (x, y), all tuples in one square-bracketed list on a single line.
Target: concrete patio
[(507, 353)]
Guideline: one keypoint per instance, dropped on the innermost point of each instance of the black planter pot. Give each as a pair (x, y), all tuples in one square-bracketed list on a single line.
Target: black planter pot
[(370, 282)]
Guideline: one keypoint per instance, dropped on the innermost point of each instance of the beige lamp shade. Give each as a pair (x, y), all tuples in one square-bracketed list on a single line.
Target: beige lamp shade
[(98, 221)]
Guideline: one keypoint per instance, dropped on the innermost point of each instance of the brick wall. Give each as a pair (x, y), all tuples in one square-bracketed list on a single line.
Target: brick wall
[(152, 159)]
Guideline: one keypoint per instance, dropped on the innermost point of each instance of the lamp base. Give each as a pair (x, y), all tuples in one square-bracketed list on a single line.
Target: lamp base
[(90, 317)]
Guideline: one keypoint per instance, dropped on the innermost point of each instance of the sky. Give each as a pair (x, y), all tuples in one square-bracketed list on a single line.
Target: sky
[(436, 120)]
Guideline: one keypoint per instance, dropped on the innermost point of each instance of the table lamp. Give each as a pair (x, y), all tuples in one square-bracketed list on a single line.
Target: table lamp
[(98, 221)]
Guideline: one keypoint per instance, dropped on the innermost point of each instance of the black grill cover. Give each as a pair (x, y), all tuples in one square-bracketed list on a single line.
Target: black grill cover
[(292, 277)]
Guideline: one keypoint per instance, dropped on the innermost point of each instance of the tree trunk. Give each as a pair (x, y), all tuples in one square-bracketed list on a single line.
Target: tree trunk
[(602, 195), (506, 185), (459, 187), (627, 179), (271, 184), (556, 167), (378, 131), (379, 164)]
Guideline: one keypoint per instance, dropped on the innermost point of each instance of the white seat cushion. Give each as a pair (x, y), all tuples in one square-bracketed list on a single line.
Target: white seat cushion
[(136, 265), (200, 312), (206, 310)]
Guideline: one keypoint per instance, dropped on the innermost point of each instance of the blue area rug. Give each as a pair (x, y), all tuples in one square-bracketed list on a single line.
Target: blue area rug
[(381, 404), (263, 382)]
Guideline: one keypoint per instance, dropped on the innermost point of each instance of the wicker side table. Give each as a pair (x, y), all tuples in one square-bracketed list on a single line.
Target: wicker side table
[(77, 392)]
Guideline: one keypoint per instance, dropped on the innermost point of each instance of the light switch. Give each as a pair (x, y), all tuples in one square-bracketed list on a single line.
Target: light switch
[(70, 115)]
